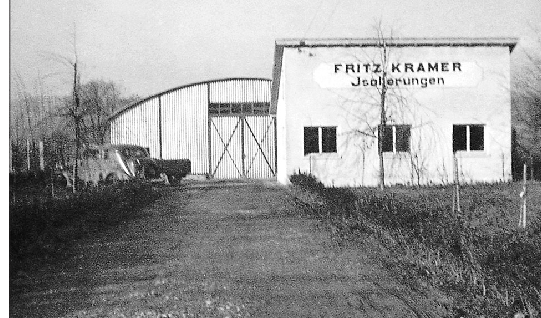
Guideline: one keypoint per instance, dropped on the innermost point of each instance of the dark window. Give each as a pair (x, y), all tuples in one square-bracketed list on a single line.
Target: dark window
[(214, 108), (396, 138), (468, 137), (403, 138), (387, 135), (319, 140), (261, 108), (311, 140), (248, 108), (328, 139), (225, 108), (236, 108), (459, 138), (239, 108), (477, 137)]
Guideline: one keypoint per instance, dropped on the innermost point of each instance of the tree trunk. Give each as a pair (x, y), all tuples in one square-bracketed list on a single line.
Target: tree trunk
[(77, 133), (382, 119)]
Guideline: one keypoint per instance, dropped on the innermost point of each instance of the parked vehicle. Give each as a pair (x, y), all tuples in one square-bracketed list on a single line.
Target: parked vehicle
[(111, 163)]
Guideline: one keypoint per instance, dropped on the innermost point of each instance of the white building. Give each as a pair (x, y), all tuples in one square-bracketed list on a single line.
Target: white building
[(445, 99)]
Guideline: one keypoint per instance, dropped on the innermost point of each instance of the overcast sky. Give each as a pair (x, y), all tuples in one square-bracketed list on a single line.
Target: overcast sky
[(151, 46)]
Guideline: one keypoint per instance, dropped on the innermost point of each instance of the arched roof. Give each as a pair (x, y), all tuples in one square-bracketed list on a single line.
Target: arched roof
[(139, 102)]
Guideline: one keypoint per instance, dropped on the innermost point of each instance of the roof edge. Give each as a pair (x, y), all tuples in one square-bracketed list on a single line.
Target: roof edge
[(479, 41), (276, 74), (146, 99)]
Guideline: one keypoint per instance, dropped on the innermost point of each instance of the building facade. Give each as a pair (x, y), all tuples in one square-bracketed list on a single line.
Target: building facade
[(444, 104), (222, 126)]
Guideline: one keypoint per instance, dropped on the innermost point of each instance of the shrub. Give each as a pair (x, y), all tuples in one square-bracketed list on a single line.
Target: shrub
[(307, 182)]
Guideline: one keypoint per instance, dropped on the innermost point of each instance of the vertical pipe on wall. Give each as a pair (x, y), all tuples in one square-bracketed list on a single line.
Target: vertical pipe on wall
[(275, 147), (160, 140)]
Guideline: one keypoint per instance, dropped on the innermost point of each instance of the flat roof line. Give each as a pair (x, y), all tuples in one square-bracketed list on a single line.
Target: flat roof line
[(485, 41)]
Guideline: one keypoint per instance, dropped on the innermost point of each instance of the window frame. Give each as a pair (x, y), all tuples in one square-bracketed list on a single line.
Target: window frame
[(238, 108), (394, 130), (468, 141), (320, 144)]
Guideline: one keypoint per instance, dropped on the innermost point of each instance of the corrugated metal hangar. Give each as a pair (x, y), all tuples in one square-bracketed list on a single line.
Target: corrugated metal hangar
[(222, 126)]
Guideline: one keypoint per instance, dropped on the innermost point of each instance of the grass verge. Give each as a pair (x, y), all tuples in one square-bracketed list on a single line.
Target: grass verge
[(478, 256), (44, 228)]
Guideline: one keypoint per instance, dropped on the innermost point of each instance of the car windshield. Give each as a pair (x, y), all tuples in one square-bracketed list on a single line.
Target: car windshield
[(134, 153)]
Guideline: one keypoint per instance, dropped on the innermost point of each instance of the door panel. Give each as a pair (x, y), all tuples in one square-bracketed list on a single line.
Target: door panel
[(242, 146)]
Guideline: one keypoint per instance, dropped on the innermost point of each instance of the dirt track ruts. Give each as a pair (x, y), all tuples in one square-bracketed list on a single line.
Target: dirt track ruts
[(216, 249)]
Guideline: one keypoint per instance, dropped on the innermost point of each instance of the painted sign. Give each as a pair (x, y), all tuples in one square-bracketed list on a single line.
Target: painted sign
[(399, 74)]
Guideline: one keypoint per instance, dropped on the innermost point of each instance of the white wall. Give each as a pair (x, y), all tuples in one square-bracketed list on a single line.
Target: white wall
[(476, 95)]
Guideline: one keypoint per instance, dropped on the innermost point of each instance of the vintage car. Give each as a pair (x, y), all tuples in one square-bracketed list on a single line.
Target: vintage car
[(111, 163)]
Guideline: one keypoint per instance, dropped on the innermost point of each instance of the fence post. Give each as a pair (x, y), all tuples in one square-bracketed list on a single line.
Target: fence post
[(28, 161), (456, 192), (41, 155), (522, 220)]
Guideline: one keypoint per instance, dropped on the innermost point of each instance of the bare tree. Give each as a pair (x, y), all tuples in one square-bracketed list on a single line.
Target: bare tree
[(99, 100), (385, 105), (526, 96), (382, 103), (384, 56), (72, 108)]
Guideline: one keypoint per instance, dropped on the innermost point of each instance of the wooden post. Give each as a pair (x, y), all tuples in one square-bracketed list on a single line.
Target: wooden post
[(456, 195), (41, 156), (522, 220), (28, 161), (52, 182)]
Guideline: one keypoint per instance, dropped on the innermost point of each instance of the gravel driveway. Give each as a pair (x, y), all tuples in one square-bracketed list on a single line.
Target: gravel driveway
[(215, 249)]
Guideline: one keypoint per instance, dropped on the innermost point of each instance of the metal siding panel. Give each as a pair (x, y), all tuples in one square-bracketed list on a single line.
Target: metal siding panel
[(237, 91), (137, 126), (184, 125)]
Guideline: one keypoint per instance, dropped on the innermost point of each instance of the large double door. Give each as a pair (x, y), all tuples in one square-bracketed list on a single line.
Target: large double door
[(242, 147)]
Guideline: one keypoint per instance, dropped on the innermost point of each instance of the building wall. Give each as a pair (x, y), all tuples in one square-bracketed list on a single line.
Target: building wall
[(476, 94), (176, 124)]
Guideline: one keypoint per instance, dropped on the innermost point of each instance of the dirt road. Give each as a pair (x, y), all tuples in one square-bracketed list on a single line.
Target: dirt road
[(215, 250)]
